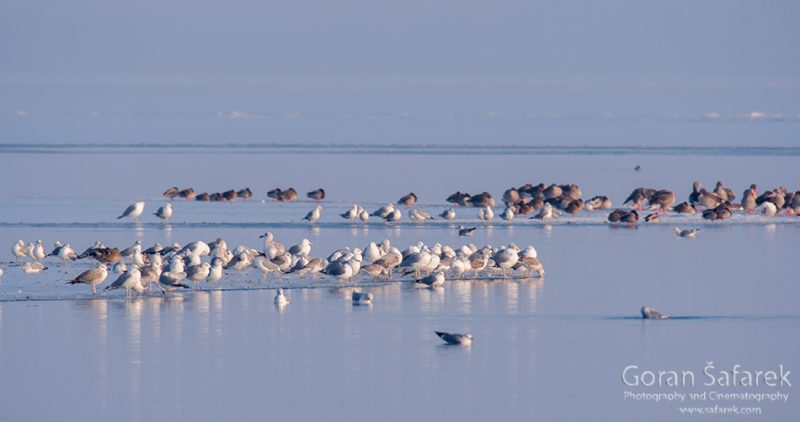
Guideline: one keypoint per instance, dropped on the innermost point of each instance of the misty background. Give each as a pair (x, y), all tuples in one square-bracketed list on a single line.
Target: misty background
[(413, 72)]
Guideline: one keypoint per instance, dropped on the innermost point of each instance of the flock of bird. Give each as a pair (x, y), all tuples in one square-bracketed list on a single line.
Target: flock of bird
[(171, 267), (541, 202)]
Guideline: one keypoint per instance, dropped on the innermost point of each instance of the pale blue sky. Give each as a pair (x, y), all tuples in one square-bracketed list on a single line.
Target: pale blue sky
[(72, 61)]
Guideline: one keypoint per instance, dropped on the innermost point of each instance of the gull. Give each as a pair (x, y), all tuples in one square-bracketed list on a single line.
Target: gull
[(240, 262), (301, 249), (198, 273), (449, 214), (33, 267), (38, 252), (408, 200), (391, 260), (165, 212), (131, 279), (598, 203), (417, 261), (283, 261), (486, 213), (650, 313), (362, 298), (454, 338), (340, 270), (508, 214), (280, 298), (91, 277), (546, 213), (395, 215), (138, 259), (505, 259), (151, 275), (197, 247), (215, 273), (313, 266), (372, 253), (66, 253), (478, 262), (352, 213), (685, 233), (434, 280), (18, 249), (175, 247), (1, 272), (172, 280), (269, 242), (133, 211), (374, 270), (384, 211), (768, 209), (131, 250), (265, 266), (313, 215), (417, 214), (176, 264), (464, 231), (363, 215), (119, 267)]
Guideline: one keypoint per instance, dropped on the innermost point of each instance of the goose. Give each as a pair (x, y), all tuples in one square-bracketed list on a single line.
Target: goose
[(316, 194), (408, 200)]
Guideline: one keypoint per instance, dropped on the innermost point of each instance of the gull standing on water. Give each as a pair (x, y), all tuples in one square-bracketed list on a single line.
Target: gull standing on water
[(434, 280), (131, 279), (19, 250), (650, 313), (685, 233), (165, 212), (313, 215), (133, 211), (362, 298), (449, 214), (280, 298), (91, 277), (454, 338), (486, 213)]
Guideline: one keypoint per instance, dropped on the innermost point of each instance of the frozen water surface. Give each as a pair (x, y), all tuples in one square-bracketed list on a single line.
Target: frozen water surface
[(547, 349)]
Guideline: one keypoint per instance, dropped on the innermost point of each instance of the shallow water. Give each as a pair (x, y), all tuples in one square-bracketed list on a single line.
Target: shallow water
[(550, 349)]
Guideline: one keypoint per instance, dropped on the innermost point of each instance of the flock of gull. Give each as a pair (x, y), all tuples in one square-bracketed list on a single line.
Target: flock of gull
[(169, 268)]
